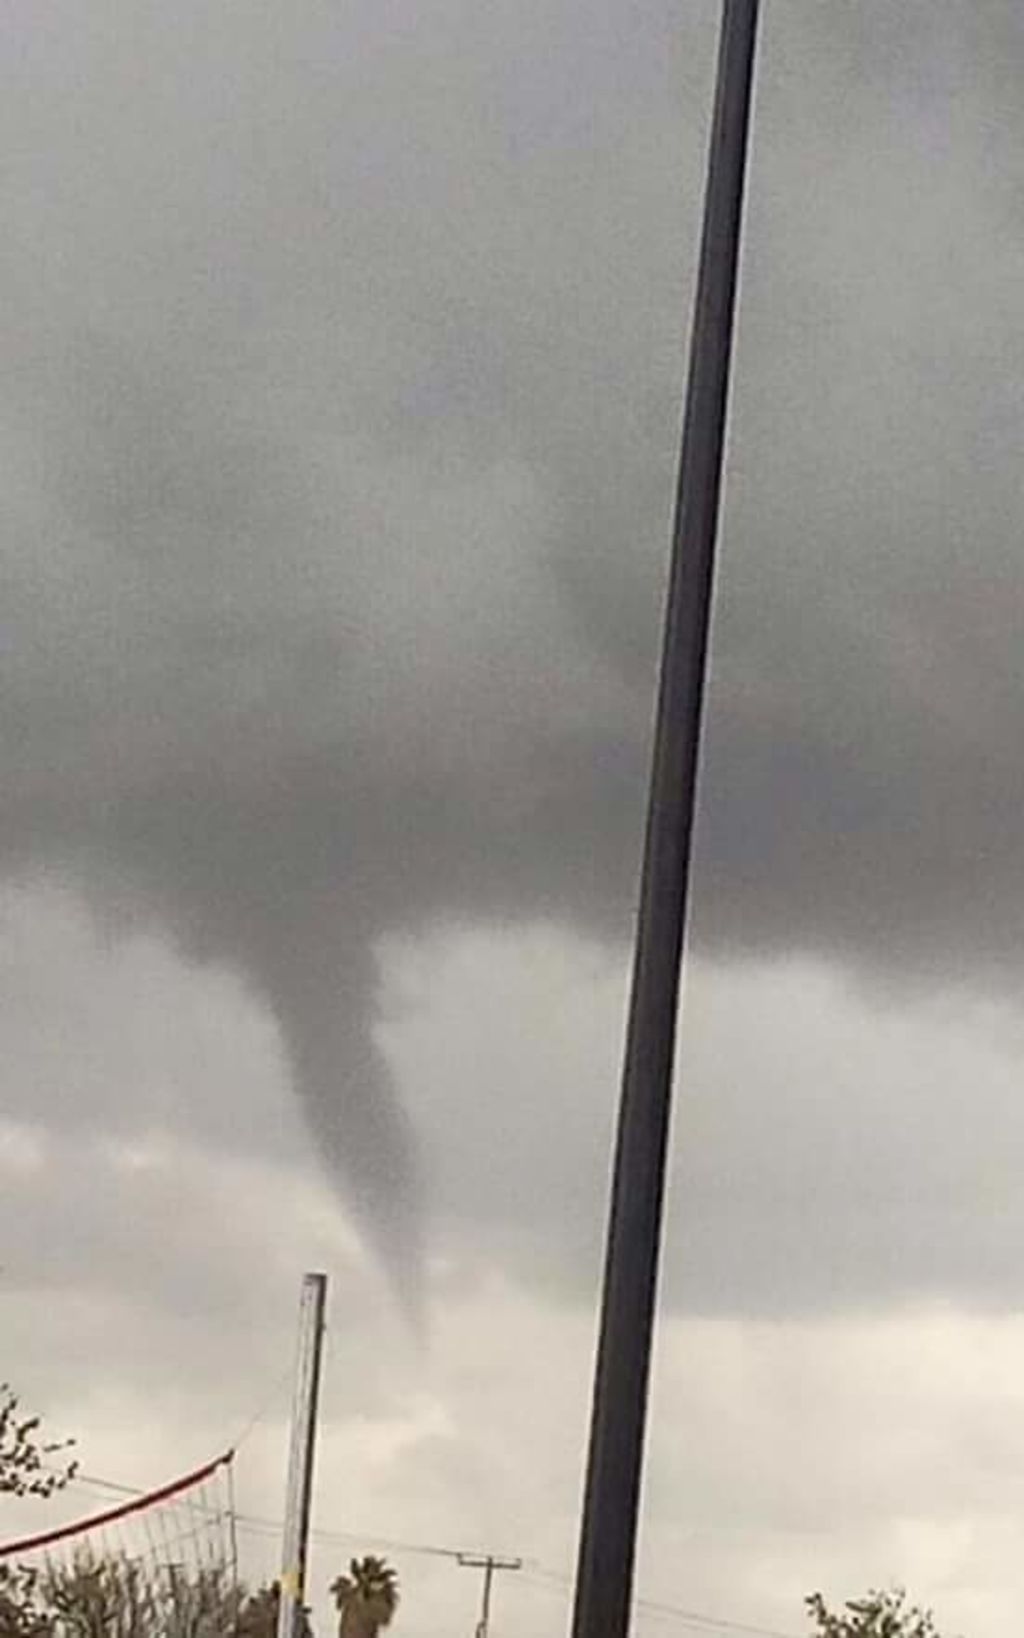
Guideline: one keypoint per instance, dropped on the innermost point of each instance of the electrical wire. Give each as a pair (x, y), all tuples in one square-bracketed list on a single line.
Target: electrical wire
[(534, 1573), (557, 1581)]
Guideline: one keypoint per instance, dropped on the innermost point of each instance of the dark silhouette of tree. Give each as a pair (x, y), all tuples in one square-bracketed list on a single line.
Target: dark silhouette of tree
[(876, 1615), (257, 1617), (118, 1597), (367, 1597), (21, 1615), (25, 1457)]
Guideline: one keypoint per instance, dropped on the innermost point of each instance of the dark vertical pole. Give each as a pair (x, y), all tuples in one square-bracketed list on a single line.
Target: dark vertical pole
[(608, 1535), (485, 1601)]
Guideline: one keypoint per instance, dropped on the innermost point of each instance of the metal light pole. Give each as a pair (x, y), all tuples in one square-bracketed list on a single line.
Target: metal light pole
[(608, 1535), (301, 1453)]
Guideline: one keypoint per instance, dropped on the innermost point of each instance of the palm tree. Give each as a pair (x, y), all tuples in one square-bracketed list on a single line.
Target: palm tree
[(367, 1597)]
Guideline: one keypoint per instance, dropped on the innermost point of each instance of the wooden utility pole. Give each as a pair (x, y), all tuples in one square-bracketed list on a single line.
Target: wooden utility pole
[(488, 1562)]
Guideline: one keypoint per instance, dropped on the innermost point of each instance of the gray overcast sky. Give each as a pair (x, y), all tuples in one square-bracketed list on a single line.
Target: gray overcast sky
[(338, 415)]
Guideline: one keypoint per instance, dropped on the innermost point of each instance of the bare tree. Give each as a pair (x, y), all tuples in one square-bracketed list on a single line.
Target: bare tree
[(876, 1615), (25, 1457)]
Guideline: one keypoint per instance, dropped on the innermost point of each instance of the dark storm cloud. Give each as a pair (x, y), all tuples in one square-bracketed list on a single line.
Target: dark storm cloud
[(827, 1155), (338, 418)]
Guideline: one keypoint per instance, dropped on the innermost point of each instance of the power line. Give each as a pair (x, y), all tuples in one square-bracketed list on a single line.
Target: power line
[(711, 1623), (249, 1521), (252, 1522), (554, 1581), (534, 1574)]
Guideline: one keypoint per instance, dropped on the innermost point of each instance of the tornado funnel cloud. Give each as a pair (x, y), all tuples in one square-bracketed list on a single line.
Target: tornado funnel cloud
[(321, 987)]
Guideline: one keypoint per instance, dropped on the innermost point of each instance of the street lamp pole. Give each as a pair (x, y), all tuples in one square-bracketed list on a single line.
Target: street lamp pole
[(611, 1500)]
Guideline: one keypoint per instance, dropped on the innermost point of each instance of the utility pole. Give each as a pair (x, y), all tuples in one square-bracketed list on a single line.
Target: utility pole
[(300, 1459), (488, 1562), (604, 1577)]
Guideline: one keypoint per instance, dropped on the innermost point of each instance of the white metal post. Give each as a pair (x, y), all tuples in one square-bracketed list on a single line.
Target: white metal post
[(300, 1459)]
